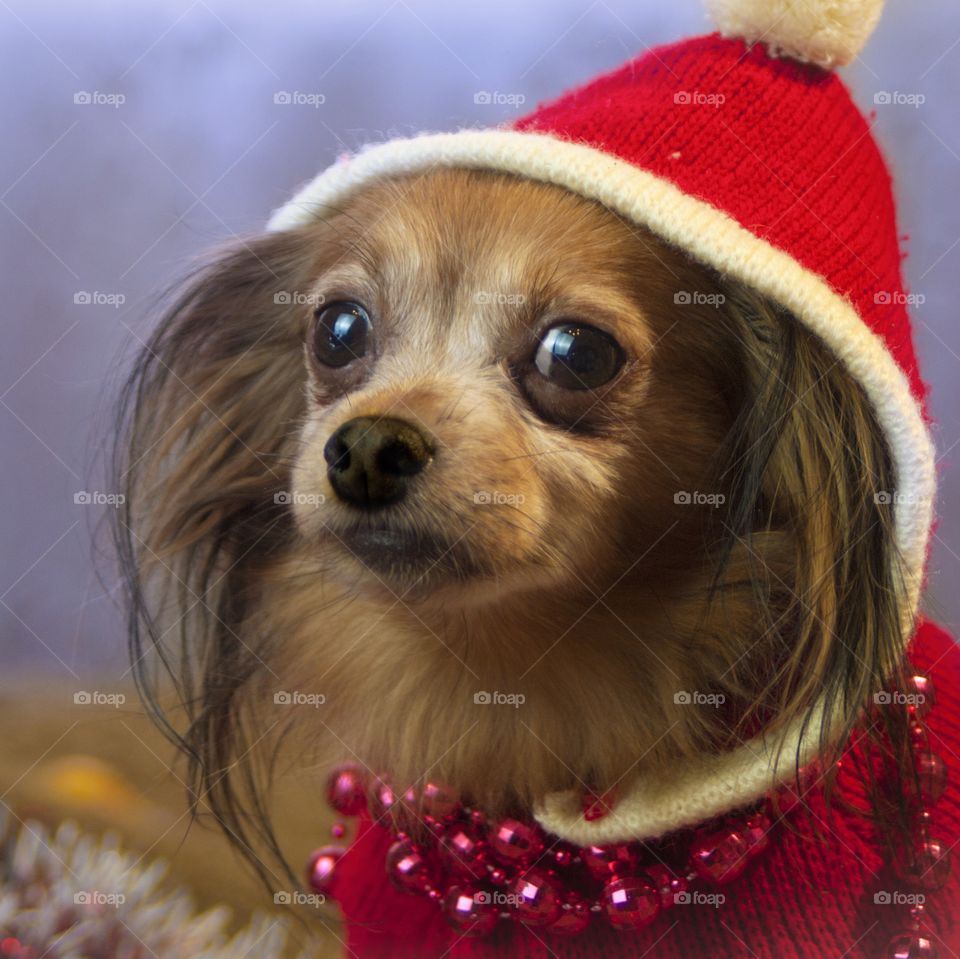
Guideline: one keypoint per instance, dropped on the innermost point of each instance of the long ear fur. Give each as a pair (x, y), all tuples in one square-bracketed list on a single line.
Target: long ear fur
[(206, 427), (807, 457)]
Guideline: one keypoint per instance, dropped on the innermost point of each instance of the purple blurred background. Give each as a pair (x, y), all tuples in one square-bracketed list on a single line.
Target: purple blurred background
[(182, 145)]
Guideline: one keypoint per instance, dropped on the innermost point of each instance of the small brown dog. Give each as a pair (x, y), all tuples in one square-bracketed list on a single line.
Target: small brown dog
[(576, 472), (473, 433)]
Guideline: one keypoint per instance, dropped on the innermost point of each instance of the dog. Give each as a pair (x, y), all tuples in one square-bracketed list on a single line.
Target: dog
[(464, 433), (577, 473)]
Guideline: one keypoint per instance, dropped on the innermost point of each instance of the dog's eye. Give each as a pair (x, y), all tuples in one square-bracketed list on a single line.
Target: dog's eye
[(578, 357), (340, 334)]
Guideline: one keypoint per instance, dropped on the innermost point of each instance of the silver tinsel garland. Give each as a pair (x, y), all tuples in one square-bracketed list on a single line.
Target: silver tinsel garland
[(69, 895)]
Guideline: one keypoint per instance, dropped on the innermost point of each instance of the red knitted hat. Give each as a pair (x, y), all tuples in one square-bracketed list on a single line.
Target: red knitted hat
[(746, 150)]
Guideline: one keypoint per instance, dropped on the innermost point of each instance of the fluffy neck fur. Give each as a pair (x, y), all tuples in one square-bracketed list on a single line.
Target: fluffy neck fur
[(587, 683)]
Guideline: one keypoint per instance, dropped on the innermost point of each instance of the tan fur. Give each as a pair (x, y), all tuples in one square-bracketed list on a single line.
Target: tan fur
[(591, 593)]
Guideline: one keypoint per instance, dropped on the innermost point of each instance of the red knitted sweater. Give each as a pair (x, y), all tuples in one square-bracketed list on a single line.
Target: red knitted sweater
[(807, 896)]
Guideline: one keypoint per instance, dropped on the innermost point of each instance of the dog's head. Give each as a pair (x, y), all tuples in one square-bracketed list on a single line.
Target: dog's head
[(469, 431)]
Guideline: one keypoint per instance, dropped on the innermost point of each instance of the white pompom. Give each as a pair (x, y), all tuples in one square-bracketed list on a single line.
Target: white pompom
[(829, 33)]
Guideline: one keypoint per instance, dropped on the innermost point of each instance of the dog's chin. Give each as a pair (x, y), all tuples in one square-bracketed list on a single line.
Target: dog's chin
[(411, 562)]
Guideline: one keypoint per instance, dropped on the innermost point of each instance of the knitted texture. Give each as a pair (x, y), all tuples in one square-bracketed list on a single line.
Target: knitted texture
[(810, 895), (777, 144)]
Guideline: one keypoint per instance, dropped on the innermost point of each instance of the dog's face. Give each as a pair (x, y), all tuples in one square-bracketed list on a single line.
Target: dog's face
[(496, 396)]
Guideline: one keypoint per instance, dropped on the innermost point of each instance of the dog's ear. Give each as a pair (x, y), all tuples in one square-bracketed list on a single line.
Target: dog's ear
[(207, 424), (807, 465), (806, 458), (213, 401)]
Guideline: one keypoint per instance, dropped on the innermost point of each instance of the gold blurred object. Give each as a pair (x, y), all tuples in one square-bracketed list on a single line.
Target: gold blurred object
[(85, 785)]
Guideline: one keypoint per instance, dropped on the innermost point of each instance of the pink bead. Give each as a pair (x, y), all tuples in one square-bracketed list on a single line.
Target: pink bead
[(574, 916), (666, 883), (439, 801), (630, 903), (920, 694), (598, 806), (470, 911), (346, 791), (536, 900), (679, 886), (338, 830), (408, 868), (757, 832), (320, 868), (382, 799), (720, 857), (931, 775), (515, 842), (605, 861), (562, 857), (463, 851), (911, 946), (929, 868)]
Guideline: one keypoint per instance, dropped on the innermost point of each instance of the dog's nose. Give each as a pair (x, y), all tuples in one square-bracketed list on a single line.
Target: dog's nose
[(371, 460)]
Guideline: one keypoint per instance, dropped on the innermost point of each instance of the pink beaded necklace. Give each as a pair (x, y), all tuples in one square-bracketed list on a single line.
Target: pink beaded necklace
[(481, 873)]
